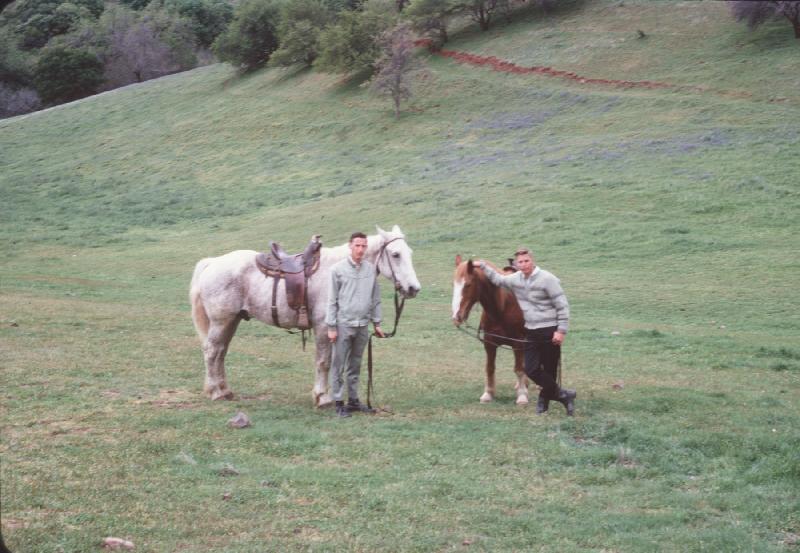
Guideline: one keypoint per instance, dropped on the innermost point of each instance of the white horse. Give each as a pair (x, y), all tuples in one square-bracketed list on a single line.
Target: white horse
[(230, 288)]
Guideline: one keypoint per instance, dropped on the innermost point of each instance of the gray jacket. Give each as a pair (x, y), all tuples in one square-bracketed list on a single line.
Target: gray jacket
[(354, 298), (540, 296)]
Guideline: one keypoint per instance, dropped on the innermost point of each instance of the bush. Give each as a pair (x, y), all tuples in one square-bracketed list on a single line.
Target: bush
[(251, 37), (351, 45), (16, 101), (62, 75), (138, 46), (14, 70), (301, 23), (40, 20), (208, 18)]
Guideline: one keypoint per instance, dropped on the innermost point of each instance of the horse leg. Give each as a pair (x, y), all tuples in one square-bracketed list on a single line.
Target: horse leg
[(522, 381), (215, 347), (322, 365), (489, 389)]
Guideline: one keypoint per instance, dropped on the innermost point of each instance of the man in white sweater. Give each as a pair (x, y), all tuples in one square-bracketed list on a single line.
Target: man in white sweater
[(546, 312)]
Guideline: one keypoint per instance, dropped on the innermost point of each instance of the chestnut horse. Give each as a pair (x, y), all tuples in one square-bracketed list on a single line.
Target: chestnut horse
[(502, 322)]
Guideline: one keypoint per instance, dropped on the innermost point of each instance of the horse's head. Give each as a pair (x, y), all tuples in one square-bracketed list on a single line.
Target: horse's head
[(394, 262), (466, 289)]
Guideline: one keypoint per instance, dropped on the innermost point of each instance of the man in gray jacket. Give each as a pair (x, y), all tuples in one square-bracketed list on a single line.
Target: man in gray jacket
[(354, 299), (546, 312)]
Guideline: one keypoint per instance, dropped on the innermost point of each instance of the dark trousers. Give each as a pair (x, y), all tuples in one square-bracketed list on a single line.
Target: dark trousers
[(541, 360)]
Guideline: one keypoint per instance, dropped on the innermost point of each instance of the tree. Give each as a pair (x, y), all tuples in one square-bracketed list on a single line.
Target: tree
[(396, 65), (39, 21), (301, 23), (208, 18), (14, 71), (756, 12), (63, 75), (138, 46), (351, 45), (482, 11), (252, 37), (430, 18)]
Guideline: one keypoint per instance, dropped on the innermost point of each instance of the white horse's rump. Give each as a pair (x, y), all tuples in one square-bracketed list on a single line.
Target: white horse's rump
[(226, 289)]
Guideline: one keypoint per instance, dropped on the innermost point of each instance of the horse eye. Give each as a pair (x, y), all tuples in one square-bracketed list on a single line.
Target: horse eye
[(395, 255)]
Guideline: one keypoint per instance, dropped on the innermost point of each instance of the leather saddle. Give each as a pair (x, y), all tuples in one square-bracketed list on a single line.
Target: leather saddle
[(294, 270)]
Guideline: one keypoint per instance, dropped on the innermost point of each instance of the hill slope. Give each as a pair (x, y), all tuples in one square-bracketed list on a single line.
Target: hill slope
[(669, 214)]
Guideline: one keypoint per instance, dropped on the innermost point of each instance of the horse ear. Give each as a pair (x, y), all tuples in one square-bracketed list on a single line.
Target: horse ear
[(458, 259), (381, 231), (470, 266), (396, 230)]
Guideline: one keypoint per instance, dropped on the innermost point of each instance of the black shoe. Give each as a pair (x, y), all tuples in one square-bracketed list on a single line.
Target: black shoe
[(341, 410), (542, 405), (567, 399), (355, 406)]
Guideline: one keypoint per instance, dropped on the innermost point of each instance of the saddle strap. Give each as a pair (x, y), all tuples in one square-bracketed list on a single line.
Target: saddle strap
[(275, 301)]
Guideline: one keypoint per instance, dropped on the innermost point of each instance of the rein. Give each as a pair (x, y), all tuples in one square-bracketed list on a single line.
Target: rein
[(398, 310), (482, 339)]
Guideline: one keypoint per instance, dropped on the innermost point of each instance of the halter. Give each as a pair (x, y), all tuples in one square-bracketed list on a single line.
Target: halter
[(388, 260)]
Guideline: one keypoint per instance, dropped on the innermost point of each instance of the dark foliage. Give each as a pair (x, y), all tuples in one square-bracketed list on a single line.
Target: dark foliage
[(301, 23), (252, 36), (209, 18), (37, 21), (351, 45), (62, 75)]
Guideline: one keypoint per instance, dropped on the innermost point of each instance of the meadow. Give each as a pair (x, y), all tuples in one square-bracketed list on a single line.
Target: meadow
[(670, 216)]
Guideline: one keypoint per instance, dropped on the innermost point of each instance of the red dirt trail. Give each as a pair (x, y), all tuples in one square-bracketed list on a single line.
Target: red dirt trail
[(504, 66)]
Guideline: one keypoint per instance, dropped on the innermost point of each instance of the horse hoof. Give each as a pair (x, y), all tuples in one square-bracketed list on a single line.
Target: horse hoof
[(323, 401), (486, 398), (522, 401), (222, 394)]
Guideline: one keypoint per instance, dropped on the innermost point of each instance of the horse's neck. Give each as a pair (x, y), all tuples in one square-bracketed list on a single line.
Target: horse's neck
[(492, 300)]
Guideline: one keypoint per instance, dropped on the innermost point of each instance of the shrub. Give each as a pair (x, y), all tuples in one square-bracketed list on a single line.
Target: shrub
[(208, 18), (351, 45), (63, 75), (251, 37), (301, 23)]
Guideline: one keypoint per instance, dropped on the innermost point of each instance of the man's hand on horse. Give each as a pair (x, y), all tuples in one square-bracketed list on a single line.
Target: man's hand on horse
[(558, 338), (379, 332), (332, 335)]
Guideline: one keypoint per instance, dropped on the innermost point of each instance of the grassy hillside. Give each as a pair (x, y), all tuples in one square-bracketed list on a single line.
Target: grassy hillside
[(670, 215)]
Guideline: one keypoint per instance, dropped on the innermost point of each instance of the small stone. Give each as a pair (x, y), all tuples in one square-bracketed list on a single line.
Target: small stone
[(618, 385), (239, 421), (117, 543), (615, 332), (722, 327), (228, 470), (226, 496), (466, 542)]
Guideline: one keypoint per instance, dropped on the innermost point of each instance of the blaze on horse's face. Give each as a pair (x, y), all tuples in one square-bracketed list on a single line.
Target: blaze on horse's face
[(465, 290), (396, 262)]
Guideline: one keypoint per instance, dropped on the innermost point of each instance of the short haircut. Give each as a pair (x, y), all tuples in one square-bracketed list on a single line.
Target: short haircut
[(522, 251), (357, 235)]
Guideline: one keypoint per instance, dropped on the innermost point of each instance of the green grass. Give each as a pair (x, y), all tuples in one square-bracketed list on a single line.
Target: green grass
[(669, 215)]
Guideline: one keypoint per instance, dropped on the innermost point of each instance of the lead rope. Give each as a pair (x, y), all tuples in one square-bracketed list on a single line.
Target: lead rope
[(485, 341), (398, 310)]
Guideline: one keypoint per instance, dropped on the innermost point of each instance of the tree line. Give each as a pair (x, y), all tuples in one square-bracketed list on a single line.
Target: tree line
[(54, 51)]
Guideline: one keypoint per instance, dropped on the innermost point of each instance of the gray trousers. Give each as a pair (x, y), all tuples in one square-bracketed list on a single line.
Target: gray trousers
[(347, 352)]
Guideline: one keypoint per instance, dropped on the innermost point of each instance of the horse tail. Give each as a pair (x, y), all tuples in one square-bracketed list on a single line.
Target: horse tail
[(199, 315)]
